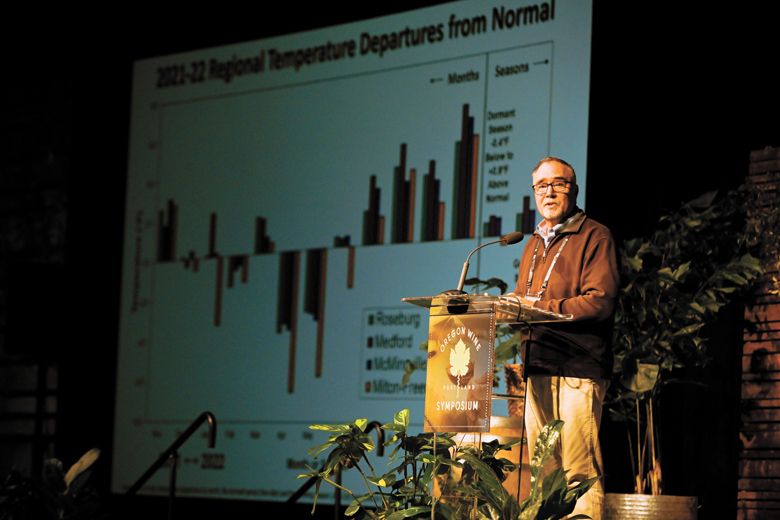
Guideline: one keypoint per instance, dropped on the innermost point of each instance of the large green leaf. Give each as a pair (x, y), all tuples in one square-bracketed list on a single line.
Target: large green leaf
[(545, 444), (575, 492), (634, 263), (410, 513), (507, 348), (559, 497), (341, 428), (698, 308), (666, 273), (530, 510), (703, 201), (692, 222), (386, 480), (735, 278), (554, 483), (487, 486), (401, 419), (681, 271), (353, 508), (688, 330), (314, 451)]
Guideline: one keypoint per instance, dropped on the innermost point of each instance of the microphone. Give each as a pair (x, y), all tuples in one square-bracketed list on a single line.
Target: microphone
[(506, 240)]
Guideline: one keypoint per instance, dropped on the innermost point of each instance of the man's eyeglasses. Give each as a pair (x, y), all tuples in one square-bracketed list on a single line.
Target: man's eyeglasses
[(557, 187)]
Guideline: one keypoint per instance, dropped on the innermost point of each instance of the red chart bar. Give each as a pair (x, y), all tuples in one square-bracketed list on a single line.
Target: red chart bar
[(351, 268), (412, 193)]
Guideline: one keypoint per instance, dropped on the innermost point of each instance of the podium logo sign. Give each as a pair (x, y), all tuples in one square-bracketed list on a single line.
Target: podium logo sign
[(459, 379)]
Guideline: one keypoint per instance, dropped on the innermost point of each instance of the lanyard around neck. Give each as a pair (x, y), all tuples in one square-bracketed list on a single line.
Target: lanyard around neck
[(546, 280)]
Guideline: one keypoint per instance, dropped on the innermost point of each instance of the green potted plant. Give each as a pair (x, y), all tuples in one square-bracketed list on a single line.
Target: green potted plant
[(675, 282), (468, 478)]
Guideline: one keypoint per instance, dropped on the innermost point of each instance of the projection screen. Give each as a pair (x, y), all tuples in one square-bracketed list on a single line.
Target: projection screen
[(284, 194)]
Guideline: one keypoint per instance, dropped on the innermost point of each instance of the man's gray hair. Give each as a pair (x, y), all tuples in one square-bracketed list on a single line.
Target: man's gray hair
[(550, 158)]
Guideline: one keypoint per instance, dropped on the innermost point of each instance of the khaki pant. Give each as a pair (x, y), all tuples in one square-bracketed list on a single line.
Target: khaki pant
[(577, 402)]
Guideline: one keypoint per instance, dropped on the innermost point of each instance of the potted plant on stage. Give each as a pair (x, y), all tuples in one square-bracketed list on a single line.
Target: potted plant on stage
[(433, 476), (674, 283)]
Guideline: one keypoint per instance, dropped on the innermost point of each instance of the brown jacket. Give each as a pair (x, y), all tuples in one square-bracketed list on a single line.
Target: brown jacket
[(585, 283)]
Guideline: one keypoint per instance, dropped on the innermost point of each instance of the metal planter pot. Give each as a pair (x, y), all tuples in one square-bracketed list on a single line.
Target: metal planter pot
[(650, 507)]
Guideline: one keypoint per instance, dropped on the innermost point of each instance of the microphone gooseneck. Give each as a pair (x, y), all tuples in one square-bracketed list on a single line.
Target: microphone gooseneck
[(506, 240)]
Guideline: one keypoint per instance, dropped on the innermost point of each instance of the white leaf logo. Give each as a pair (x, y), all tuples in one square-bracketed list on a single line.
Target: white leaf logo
[(459, 359)]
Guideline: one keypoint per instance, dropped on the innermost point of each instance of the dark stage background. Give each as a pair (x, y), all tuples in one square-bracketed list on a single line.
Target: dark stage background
[(679, 97)]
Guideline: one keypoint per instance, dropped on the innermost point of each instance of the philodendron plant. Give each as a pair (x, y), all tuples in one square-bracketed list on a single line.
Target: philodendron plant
[(433, 476), (700, 258)]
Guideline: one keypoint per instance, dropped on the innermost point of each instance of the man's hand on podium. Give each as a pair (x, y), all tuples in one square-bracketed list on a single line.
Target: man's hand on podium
[(512, 305)]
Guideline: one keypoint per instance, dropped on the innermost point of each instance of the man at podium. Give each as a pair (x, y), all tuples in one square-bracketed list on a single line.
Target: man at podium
[(569, 266)]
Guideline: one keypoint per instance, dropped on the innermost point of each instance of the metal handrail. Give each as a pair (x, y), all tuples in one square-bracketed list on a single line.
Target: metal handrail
[(172, 453)]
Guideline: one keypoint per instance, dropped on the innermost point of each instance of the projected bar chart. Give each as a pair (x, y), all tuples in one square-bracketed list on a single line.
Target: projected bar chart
[(405, 220), (431, 184)]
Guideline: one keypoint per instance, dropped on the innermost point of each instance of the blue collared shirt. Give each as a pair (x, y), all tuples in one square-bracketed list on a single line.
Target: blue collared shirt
[(548, 234)]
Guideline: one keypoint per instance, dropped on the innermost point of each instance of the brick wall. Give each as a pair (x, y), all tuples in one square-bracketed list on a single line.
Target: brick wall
[(759, 458)]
